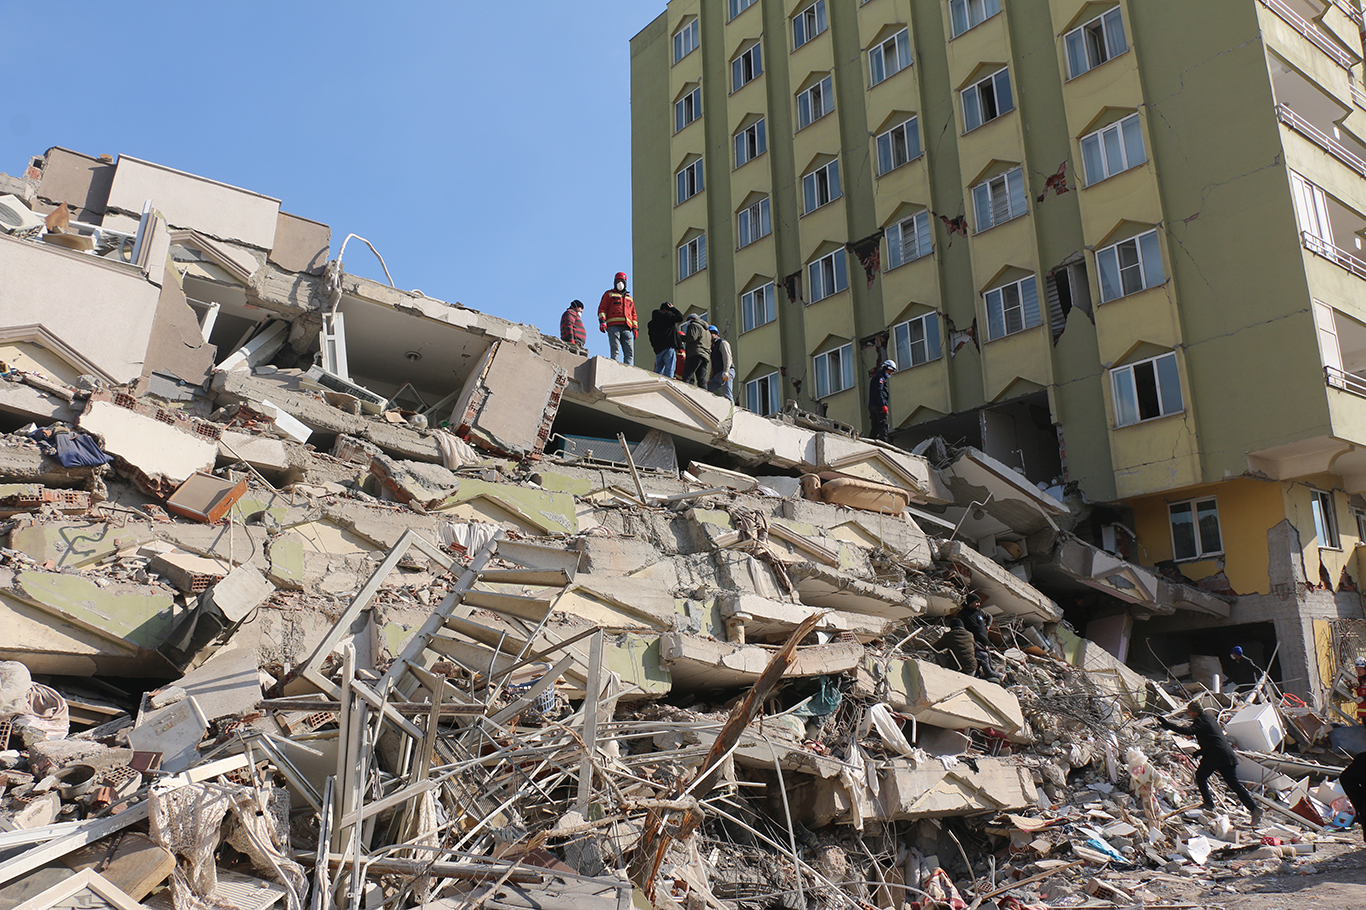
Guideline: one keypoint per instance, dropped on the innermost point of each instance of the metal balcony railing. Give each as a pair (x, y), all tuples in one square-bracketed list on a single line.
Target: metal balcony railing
[(1347, 382), (1358, 94), (1350, 11), (1334, 254), (1320, 138), (1310, 31)]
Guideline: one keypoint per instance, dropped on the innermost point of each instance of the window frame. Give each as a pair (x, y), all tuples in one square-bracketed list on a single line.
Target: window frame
[(1360, 516), (907, 127), (969, 25), (924, 239), (736, 7), (1162, 406), (1107, 41), (1014, 192), (976, 90), (760, 130), (1020, 304), (901, 42), (770, 306), (1192, 506), (697, 179), (756, 66), (845, 358), (839, 276), (1326, 532), (834, 190), (696, 97), (764, 220), (824, 89), (822, 21), (930, 340), (1120, 130), (1142, 252), (692, 27), (698, 255), (775, 396)]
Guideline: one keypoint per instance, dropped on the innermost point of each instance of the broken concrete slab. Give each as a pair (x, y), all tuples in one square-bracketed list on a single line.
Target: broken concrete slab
[(534, 513), (876, 462), (1142, 587), (712, 476), (821, 586), (227, 684), (948, 699), (907, 791), (509, 401), (25, 464), (188, 572), (427, 486), (704, 663), (1008, 501), (264, 453), (240, 592), (286, 554), (75, 544), (1001, 592), (158, 455), (750, 618)]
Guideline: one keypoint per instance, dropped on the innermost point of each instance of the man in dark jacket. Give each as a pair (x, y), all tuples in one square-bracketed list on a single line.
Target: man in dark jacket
[(697, 350), (722, 366), (571, 325), (1216, 756), (663, 329), (975, 621), (957, 648), (880, 399), (1241, 671)]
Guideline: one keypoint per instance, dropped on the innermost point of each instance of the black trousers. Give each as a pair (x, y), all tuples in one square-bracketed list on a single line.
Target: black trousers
[(879, 426), (695, 371), (1207, 769), (1353, 782)]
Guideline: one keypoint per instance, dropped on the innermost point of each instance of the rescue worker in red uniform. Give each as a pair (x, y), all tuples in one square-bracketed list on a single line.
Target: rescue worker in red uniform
[(617, 317)]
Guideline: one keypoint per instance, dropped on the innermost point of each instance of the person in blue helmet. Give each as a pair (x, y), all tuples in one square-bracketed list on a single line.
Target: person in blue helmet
[(1239, 670)]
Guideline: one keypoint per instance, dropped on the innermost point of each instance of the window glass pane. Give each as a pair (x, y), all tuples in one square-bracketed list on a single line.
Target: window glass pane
[(1145, 387), (1126, 407), (1015, 184), (682, 193), (752, 396), (846, 366), (1004, 101), (972, 115), (1010, 294), (735, 80), (894, 252), (1170, 380), (1114, 157), (822, 376), (1029, 300), (757, 59), (1108, 264), (958, 10), (841, 272), (884, 153), (820, 16), (932, 348), (990, 8), (702, 252), (922, 233), (876, 68), (834, 171), (1090, 153), (903, 344), (1183, 532), (1133, 141), (903, 50), (809, 192), (1114, 32), (1076, 53), (912, 130), (996, 323), (981, 201), (1208, 518), (762, 139), (1152, 260), (765, 227), (1130, 279)]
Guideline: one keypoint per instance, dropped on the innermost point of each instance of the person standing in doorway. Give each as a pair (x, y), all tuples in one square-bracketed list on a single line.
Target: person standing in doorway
[(663, 331), (617, 317), (696, 351), (571, 325), (722, 366), (1216, 756), (880, 399)]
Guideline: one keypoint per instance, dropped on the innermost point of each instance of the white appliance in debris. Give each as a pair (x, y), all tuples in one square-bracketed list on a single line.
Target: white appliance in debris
[(15, 216)]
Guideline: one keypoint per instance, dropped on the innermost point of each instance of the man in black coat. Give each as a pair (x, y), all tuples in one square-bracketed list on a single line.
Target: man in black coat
[(1216, 756), (957, 648), (880, 399), (663, 331), (975, 621)]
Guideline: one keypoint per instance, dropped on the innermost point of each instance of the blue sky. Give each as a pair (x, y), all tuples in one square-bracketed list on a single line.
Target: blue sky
[(483, 148)]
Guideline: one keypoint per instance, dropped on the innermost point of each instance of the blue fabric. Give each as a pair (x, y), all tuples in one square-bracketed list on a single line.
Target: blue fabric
[(666, 361), (79, 451), (721, 385), (620, 338)]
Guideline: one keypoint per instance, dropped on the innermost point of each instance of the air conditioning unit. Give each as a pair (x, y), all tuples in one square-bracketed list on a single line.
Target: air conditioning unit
[(15, 216), (370, 403)]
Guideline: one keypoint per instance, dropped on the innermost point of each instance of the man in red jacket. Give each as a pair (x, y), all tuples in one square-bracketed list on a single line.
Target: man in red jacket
[(617, 317)]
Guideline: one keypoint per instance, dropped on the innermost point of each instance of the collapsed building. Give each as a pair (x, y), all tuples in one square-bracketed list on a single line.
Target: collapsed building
[(469, 595)]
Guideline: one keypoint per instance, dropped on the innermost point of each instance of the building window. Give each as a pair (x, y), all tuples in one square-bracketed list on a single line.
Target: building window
[(747, 67), (753, 223), (1325, 520), (689, 180), (758, 307), (1311, 206), (835, 371), (1129, 266), (899, 145), (1360, 517), (966, 14), (1195, 529), (889, 58), (814, 103), (987, 100), (908, 240), (685, 40), (1146, 390), (1091, 44), (821, 186), (688, 108), (764, 395), (809, 23), (917, 341), (739, 6), (1012, 308), (1116, 148), (999, 199), (692, 257), (750, 143), (827, 275)]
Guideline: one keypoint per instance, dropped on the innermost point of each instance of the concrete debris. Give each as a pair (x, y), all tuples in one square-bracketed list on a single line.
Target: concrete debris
[(427, 630)]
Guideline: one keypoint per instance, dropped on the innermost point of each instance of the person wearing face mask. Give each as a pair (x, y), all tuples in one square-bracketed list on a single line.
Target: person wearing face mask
[(617, 317)]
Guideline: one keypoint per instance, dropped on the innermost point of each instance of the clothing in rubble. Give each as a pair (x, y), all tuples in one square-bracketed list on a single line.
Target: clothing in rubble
[(1353, 781), (663, 332), (571, 325), (697, 350), (880, 400), (958, 648), (722, 367), (1216, 756), (617, 317)]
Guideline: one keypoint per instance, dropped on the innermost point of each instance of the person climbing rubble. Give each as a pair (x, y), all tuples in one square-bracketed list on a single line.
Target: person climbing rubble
[(663, 332), (696, 351), (957, 648), (1240, 671), (617, 317), (571, 325), (722, 366), (975, 621), (1216, 757), (880, 399)]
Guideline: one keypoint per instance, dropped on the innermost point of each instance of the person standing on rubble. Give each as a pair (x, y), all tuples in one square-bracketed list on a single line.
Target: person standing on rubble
[(696, 351), (722, 366), (975, 621), (663, 332), (1216, 756), (1241, 671), (571, 325), (957, 648), (880, 399), (617, 317)]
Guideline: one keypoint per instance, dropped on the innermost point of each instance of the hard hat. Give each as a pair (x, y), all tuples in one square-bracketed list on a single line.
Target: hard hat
[(714, 330), (621, 276), (889, 365)]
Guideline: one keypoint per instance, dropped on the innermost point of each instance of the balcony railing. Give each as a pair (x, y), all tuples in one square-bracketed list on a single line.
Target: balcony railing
[(1336, 255), (1350, 11), (1358, 94), (1310, 31), (1320, 138), (1347, 382)]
